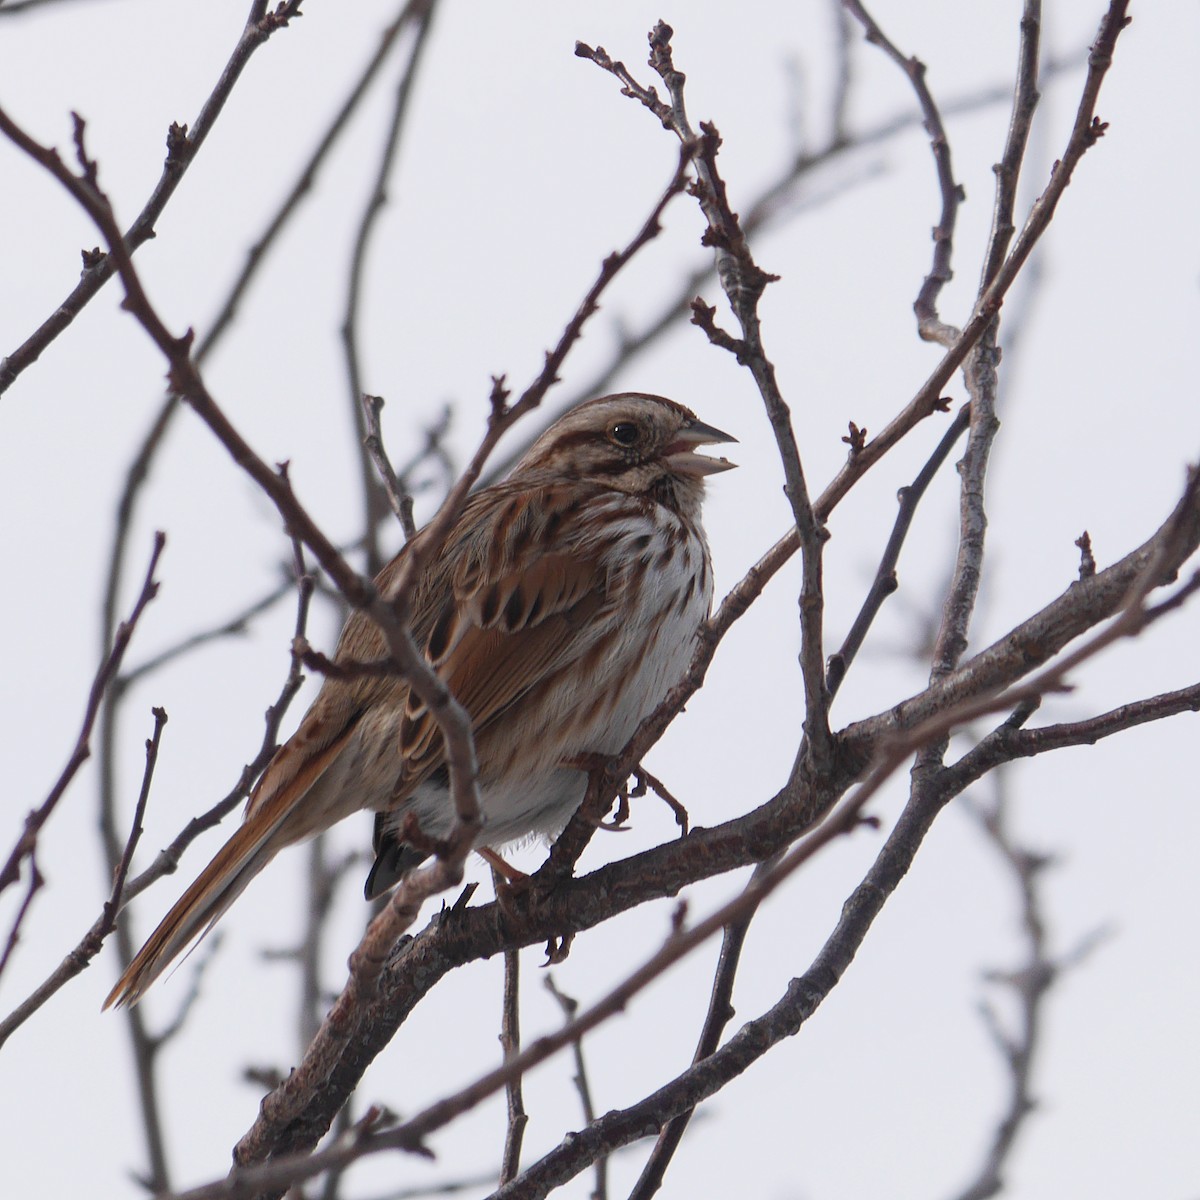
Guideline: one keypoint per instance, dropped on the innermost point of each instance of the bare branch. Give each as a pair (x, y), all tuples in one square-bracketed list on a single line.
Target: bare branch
[(1086, 132), (885, 581), (927, 801), (10, 872), (1008, 169), (777, 200), (510, 1045), (399, 497), (927, 401), (167, 860), (410, 10), (980, 371), (1010, 744), (185, 376), (720, 1013), (843, 76), (570, 1006), (235, 626), (1030, 984), (182, 146), (376, 201), (14, 934), (1121, 588), (743, 282), (929, 324)]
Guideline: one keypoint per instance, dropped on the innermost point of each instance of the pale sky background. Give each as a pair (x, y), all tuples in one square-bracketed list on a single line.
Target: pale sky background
[(522, 167)]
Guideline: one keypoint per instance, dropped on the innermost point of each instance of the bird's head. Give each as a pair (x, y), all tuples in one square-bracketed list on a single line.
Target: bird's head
[(632, 442)]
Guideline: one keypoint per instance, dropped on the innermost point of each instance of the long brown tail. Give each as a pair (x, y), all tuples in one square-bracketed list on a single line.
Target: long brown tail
[(202, 905), (281, 812)]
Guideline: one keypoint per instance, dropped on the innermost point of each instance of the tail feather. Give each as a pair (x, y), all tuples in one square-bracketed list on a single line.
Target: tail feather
[(200, 907), (277, 816)]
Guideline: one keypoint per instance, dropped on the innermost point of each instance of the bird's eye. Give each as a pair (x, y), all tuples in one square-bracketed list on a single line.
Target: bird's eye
[(624, 433)]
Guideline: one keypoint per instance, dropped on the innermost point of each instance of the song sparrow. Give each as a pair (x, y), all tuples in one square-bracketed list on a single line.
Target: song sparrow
[(562, 608)]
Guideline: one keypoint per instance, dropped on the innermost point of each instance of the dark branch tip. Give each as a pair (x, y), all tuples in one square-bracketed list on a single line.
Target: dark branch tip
[(177, 145), (1087, 561), (279, 16), (856, 439)]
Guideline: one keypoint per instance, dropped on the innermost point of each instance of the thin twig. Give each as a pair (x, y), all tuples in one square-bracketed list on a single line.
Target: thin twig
[(1086, 132), (14, 934), (306, 177), (235, 626), (1030, 983), (775, 200), (323, 879), (186, 379), (929, 324), (10, 871), (1008, 169), (167, 860), (96, 703), (201, 959), (139, 468), (981, 366), (743, 282), (91, 942), (510, 1045), (570, 1006), (147, 1046), (182, 146), (843, 76), (399, 497), (720, 1013), (1010, 744), (885, 582), (422, 15)]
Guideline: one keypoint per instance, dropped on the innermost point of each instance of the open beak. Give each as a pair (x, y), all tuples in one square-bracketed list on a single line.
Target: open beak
[(680, 455)]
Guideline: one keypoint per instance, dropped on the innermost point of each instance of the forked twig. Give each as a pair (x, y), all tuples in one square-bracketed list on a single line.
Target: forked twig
[(109, 668)]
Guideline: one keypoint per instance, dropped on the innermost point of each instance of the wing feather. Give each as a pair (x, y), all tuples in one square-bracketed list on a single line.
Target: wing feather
[(512, 618)]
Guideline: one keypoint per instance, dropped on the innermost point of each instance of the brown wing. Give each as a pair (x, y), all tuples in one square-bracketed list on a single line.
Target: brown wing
[(511, 614), (498, 641), (496, 613)]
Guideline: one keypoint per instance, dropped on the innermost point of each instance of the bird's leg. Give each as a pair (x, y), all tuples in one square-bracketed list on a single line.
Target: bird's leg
[(600, 764), (507, 881), (619, 822), (557, 949), (503, 868), (644, 779), (598, 798), (598, 768)]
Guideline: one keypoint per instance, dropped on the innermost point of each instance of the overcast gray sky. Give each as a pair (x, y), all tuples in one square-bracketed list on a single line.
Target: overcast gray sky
[(521, 168)]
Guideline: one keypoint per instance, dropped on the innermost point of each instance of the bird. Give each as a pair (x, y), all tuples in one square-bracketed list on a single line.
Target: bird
[(562, 607)]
